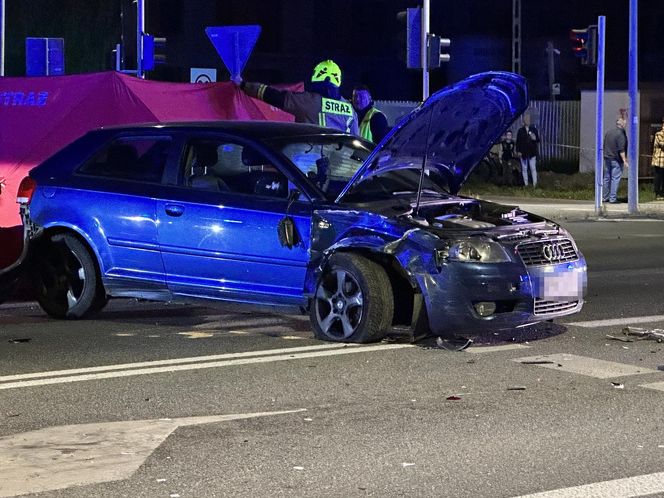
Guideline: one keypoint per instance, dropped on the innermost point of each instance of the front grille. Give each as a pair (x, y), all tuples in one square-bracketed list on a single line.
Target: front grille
[(547, 252), (543, 307)]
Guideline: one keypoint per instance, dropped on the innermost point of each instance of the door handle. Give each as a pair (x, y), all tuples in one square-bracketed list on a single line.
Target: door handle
[(174, 210)]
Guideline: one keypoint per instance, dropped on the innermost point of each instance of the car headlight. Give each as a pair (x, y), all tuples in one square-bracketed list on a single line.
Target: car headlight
[(473, 251)]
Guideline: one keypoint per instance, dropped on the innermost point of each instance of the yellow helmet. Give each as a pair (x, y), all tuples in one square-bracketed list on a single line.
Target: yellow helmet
[(327, 70)]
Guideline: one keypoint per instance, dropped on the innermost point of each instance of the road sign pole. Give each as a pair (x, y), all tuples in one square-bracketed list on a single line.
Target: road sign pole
[(423, 45), (140, 29), (599, 115), (2, 37), (633, 90)]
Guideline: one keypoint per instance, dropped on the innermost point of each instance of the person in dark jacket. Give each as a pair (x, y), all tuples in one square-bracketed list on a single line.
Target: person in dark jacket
[(373, 123), (527, 139), (320, 104), (507, 157), (615, 158)]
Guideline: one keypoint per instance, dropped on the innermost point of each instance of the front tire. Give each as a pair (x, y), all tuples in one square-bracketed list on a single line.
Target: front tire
[(353, 301), (67, 283)]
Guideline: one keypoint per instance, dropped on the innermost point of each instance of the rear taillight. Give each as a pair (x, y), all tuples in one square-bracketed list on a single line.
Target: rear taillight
[(25, 190)]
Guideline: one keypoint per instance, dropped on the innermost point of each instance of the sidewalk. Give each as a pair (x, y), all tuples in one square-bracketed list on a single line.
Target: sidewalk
[(571, 210)]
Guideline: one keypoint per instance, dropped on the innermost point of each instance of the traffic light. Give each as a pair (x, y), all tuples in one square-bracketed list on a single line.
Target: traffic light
[(435, 44), (154, 51), (435, 47), (413, 19), (584, 44)]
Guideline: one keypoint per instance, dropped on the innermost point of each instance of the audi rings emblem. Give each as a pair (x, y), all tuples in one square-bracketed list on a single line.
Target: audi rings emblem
[(553, 252)]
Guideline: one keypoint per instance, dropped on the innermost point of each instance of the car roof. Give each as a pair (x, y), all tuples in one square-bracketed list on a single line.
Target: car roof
[(253, 129)]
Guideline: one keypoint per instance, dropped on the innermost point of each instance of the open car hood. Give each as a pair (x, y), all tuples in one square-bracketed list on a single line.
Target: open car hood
[(452, 130)]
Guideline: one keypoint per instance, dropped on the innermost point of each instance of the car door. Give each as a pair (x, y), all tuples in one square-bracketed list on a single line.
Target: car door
[(112, 199), (218, 232)]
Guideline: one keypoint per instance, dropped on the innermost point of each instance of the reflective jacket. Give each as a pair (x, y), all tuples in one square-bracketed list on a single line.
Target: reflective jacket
[(308, 107), (365, 125)]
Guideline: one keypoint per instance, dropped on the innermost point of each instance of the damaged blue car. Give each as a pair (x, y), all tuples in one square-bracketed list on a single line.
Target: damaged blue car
[(304, 218)]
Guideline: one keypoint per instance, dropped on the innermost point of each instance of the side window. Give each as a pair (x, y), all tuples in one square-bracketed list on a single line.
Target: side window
[(138, 159), (223, 166)]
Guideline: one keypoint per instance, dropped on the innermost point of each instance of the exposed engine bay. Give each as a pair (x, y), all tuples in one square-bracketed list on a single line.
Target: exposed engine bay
[(469, 214)]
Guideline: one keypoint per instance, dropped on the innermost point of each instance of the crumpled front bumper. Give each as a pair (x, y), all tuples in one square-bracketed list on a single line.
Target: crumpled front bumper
[(522, 295)]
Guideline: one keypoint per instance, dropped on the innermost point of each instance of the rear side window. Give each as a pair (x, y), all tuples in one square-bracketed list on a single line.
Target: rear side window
[(138, 159)]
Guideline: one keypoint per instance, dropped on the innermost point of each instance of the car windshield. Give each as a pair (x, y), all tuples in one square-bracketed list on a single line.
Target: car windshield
[(327, 161)]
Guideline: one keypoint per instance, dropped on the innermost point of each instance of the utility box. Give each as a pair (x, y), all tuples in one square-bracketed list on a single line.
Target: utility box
[(44, 56)]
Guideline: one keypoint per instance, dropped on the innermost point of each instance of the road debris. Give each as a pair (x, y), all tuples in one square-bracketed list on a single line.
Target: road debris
[(618, 385), (536, 362), (619, 338), (641, 333), (407, 464), (453, 398), (298, 468), (453, 344), (18, 341), (516, 388)]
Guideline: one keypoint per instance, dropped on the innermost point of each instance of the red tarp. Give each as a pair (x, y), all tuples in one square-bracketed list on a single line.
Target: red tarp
[(39, 116)]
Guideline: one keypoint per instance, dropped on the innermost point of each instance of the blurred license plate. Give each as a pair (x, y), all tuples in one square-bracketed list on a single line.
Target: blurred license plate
[(561, 285)]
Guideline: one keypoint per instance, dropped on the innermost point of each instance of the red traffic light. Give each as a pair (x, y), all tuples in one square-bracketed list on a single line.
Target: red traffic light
[(579, 39)]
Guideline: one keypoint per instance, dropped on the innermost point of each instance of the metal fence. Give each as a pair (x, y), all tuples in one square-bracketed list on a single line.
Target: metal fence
[(559, 126), (558, 123)]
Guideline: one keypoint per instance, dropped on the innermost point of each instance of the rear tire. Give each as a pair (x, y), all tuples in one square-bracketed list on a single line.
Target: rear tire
[(66, 280), (353, 301)]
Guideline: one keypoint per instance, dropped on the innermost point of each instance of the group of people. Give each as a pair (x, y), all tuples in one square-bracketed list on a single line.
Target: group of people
[(615, 161), (321, 103), (524, 149)]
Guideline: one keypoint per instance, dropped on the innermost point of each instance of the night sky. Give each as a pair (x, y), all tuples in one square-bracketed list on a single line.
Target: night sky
[(363, 36)]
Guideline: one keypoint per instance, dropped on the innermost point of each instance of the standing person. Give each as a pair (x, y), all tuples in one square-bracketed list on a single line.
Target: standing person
[(373, 123), (615, 158), (527, 139), (506, 157), (320, 104), (658, 163)]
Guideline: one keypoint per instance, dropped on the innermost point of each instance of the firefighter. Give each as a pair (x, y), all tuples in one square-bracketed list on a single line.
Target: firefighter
[(321, 104)]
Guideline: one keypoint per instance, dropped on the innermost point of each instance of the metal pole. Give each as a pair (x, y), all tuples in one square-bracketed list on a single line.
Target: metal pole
[(516, 36), (550, 50), (633, 89), (2, 37), (599, 115), (140, 29), (424, 43)]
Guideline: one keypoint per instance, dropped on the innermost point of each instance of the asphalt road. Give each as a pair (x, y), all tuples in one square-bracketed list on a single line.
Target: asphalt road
[(137, 402)]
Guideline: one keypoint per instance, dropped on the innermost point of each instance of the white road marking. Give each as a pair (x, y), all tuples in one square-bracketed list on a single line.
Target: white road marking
[(18, 304), (584, 365), (196, 335), (658, 386), (174, 361), (619, 488), (494, 349), (77, 455), (618, 321), (195, 366)]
